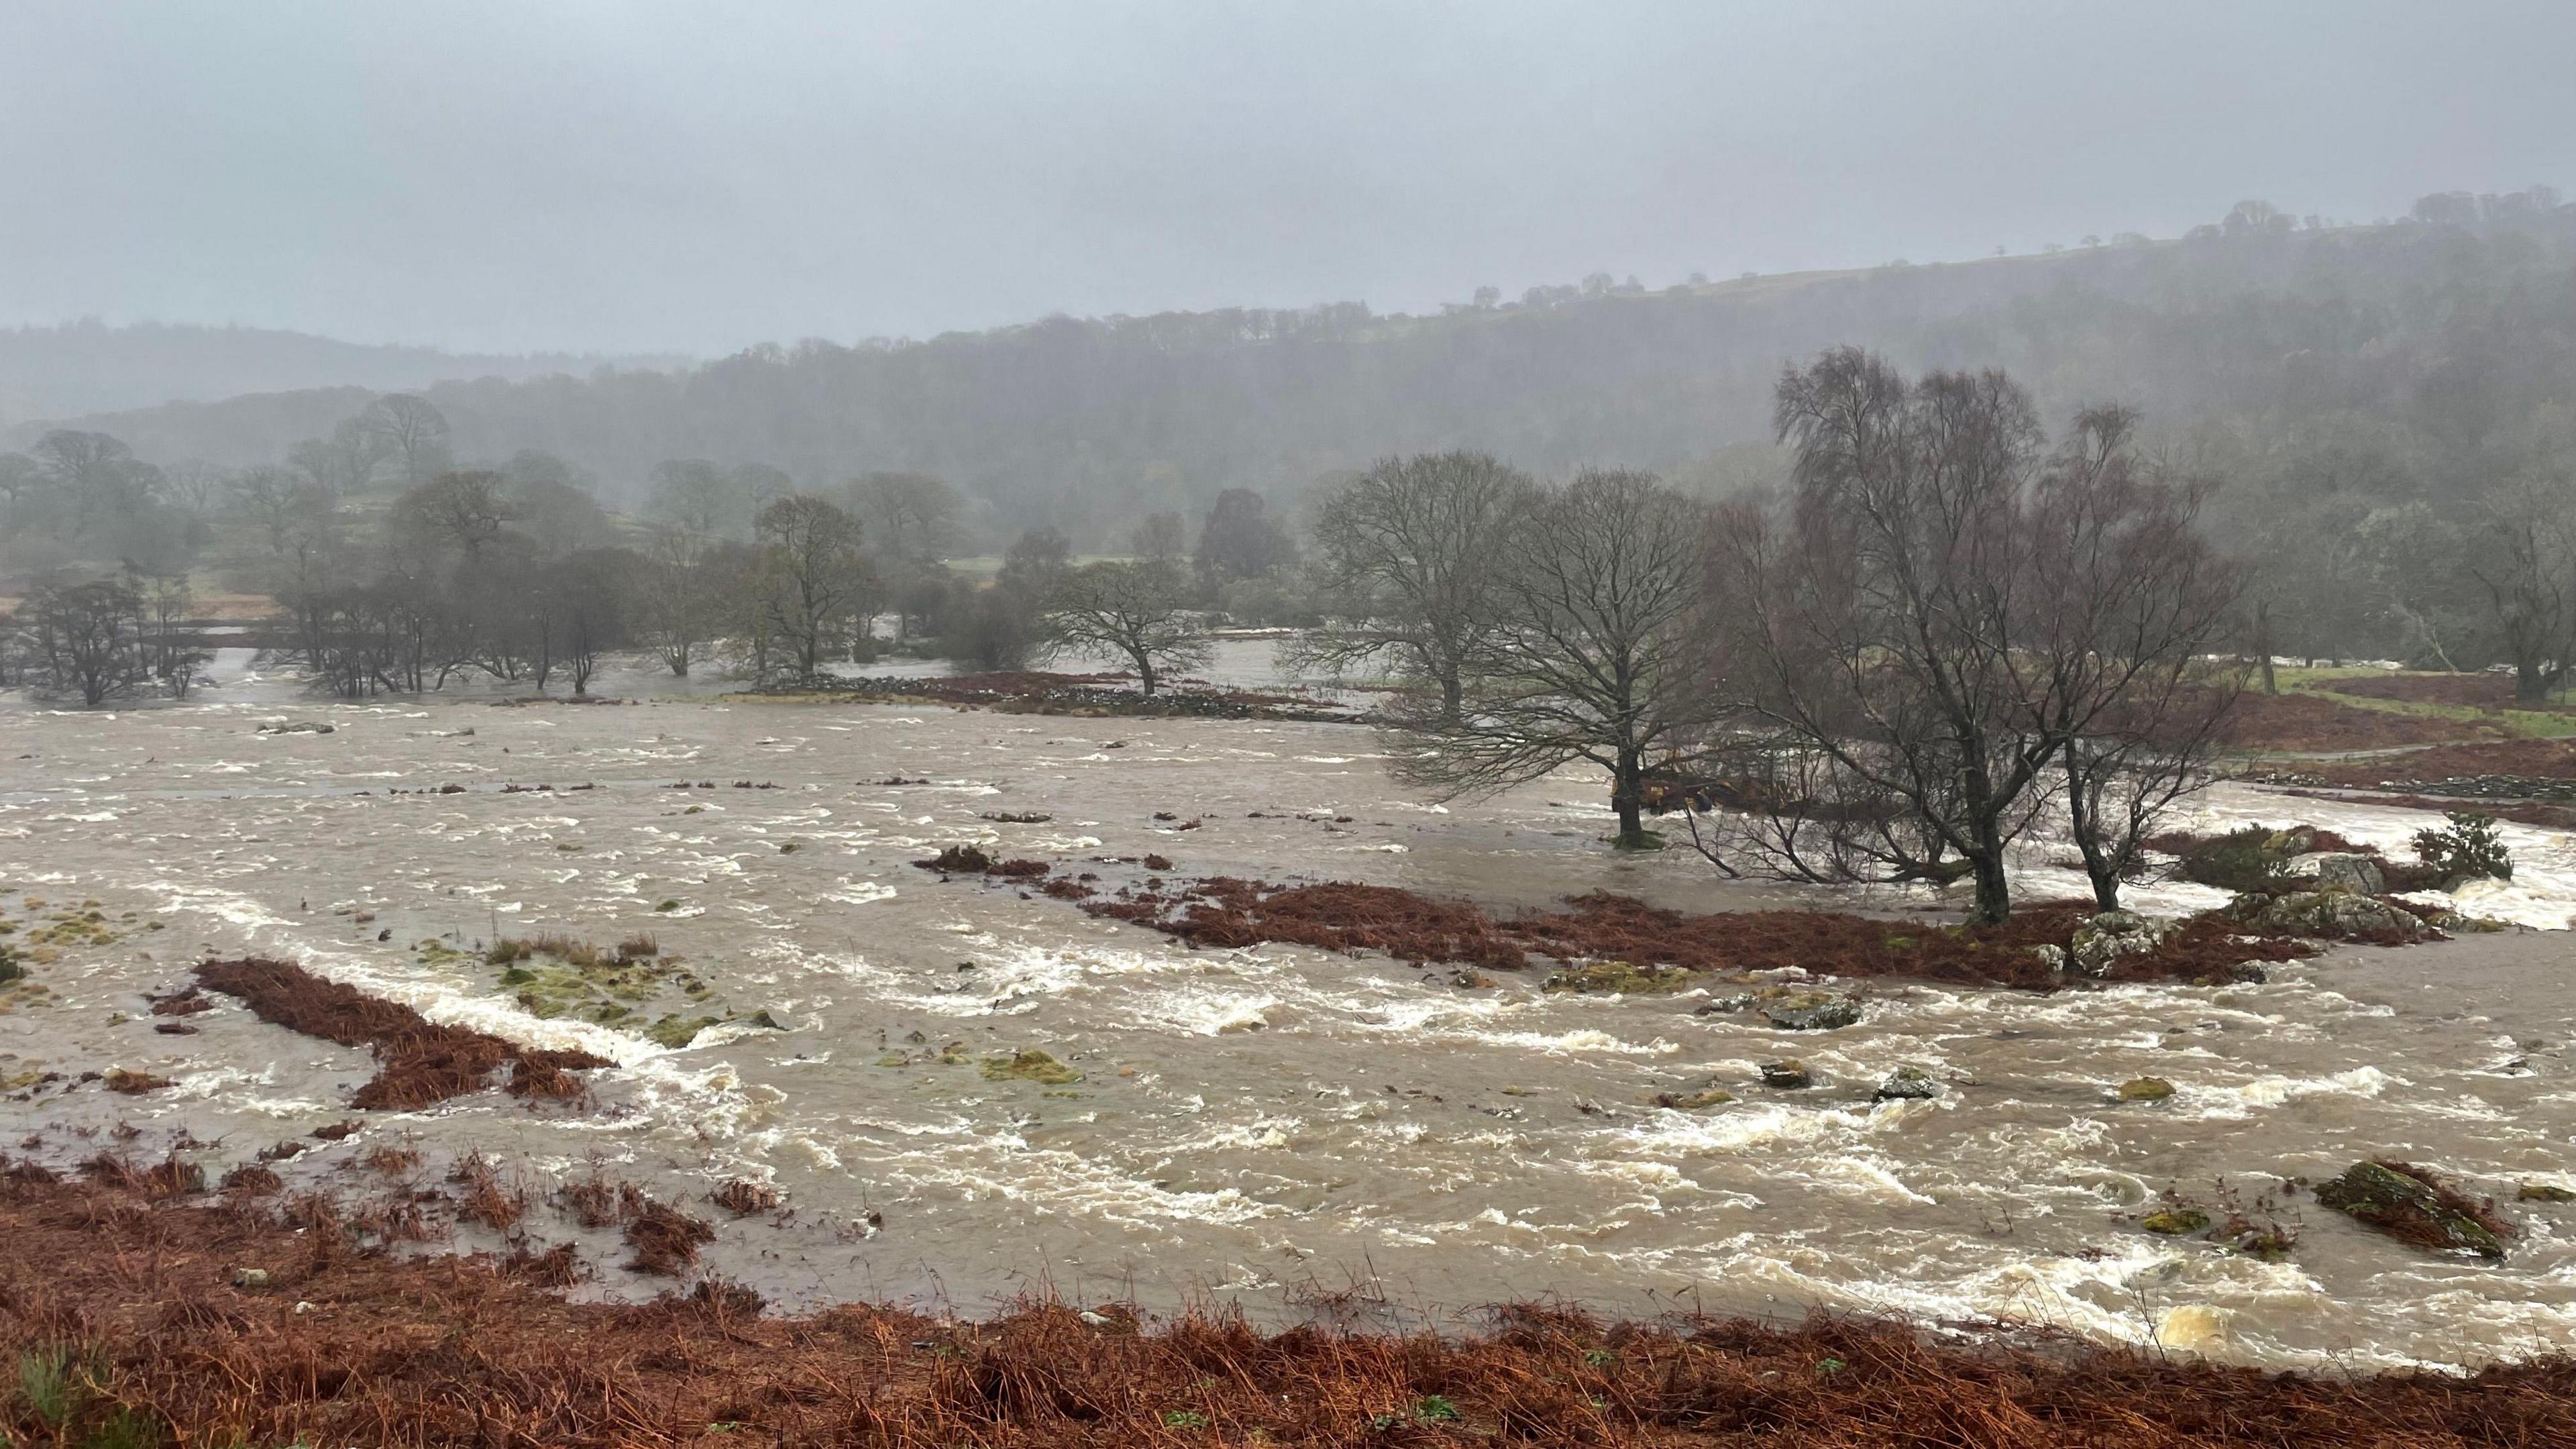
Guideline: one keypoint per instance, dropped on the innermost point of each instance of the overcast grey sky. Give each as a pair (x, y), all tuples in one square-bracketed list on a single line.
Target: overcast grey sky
[(698, 177)]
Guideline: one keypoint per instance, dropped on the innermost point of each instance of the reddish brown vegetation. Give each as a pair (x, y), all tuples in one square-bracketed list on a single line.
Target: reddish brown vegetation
[(2521, 759), (1225, 911), (135, 1084), (419, 1061), (484, 1200), (665, 1239), (186, 1002), (2312, 722), (252, 1180), (1228, 912), (443, 1351)]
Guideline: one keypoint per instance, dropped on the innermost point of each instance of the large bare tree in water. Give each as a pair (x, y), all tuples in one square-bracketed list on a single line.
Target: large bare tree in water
[(1410, 553), (1589, 654), (1945, 624)]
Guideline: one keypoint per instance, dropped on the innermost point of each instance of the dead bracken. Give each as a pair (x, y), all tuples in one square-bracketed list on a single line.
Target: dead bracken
[(418, 1061), (473, 1351), (1621, 943)]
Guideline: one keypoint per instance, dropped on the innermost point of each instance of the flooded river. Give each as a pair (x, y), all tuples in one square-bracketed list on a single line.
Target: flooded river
[(1277, 1126)]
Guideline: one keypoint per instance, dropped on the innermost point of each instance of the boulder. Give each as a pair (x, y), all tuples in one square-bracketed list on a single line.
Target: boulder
[(1788, 1074), (2341, 871), (2145, 1089), (2410, 1204), (1907, 1084), (1811, 1011), (2328, 914), (2111, 935)]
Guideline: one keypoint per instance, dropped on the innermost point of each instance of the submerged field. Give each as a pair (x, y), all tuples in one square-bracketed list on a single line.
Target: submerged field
[(1277, 1126)]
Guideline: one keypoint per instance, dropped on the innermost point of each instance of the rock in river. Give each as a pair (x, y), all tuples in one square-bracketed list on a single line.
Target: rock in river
[(2410, 1204), (1907, 1084), (1811, 1011), (2327, 914)]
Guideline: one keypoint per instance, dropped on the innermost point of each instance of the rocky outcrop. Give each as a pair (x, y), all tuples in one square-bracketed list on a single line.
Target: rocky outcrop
[(2328, 914), (2340, 871), (2103, 940)]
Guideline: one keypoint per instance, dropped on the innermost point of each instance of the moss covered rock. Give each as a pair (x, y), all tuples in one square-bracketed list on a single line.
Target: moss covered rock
[(2413, 1205), (2145, 1089), (1619, 978), (1030, 1065), (2175, 1222), (1810, 1010)]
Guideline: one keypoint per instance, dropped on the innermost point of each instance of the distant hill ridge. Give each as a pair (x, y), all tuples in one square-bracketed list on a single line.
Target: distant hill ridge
[(2440, 324), (88, 366)]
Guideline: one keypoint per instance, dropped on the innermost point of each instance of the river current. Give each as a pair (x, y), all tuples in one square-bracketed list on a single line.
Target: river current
[(1280, 1127)]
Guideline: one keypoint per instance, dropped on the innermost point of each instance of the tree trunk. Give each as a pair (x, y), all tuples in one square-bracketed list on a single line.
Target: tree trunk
[(1453, 698), (1627, 788), (1145, 672), (2263, 644), (1994, 894), (2086, 825), (2532, 683)]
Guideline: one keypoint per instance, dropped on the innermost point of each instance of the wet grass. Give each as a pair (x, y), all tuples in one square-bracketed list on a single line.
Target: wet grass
[(635, 986)]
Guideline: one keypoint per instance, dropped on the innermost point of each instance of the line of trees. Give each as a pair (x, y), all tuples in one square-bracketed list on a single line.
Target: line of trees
[(104, 639), (1883, 672)]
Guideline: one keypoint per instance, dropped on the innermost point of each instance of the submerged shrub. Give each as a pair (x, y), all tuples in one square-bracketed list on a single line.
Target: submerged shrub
[(2242, 861), (2470, 849)]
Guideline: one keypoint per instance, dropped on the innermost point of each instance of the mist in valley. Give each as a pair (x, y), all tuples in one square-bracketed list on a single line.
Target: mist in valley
[(1329, 663)]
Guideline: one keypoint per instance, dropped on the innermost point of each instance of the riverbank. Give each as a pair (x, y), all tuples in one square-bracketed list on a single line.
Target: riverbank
[(136, 1323)]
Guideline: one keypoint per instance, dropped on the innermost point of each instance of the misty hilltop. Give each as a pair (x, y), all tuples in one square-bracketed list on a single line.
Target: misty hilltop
[(91, 367), (2235, 336)]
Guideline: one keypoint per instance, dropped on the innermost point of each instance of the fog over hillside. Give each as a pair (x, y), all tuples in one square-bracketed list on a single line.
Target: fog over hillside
[(91, 367), (2238, 337)]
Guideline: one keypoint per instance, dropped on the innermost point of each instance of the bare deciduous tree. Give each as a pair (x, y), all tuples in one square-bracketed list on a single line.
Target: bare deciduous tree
[(1136, 610), (89, 637), (818, 579), (1409, 553), (1590, 654), (909, 517), (412, 434), (465, 509), (2132, 615), (2526, 565), (1941, 621)]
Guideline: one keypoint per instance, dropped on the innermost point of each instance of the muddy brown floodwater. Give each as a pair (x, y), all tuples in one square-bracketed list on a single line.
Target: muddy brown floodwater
[(1270, 1125)]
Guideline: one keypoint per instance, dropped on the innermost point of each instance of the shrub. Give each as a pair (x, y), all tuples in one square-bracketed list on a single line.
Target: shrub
[(2240, 861), (2469, 850)]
